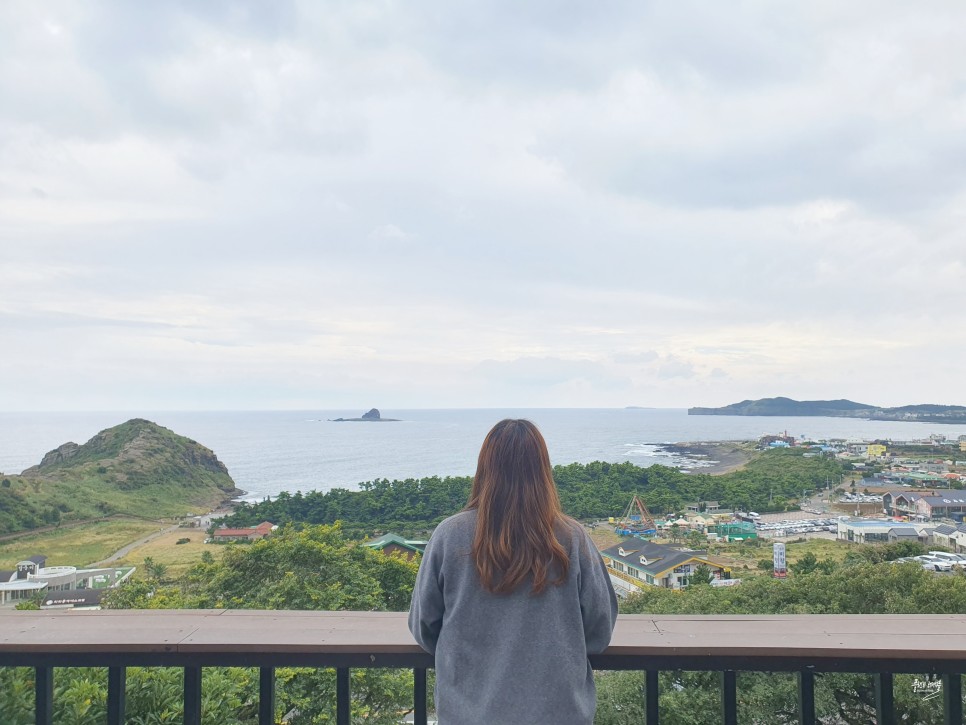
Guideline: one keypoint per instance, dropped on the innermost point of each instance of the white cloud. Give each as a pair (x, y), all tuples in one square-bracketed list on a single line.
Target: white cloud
[(238, 205)]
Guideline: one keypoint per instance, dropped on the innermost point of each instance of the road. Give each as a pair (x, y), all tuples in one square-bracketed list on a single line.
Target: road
[(125, 550)]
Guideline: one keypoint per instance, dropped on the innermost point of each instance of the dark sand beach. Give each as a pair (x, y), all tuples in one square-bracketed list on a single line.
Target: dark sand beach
[(714, 457)]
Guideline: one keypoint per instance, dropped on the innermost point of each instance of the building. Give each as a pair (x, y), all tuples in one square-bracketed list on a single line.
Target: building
[(57, 586), (957, 540), (390, 544), (636, 563), (942, 536), (880, 531), (951, 505), (875, 450), (902, 533), (251, 534)]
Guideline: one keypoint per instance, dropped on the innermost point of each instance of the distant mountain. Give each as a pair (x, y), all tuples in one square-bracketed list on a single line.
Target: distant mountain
[(926, 413), (137, 468)]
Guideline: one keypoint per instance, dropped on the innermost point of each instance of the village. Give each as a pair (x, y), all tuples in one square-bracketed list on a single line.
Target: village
[(895, 491)]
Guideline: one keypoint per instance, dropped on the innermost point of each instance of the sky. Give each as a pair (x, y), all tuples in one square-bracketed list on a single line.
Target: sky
[(340, 205)]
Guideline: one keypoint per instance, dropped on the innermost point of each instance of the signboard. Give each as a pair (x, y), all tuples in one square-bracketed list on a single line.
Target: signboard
[(780, 571)]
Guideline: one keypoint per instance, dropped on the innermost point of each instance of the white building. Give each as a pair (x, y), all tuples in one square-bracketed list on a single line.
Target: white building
[(31, 579)]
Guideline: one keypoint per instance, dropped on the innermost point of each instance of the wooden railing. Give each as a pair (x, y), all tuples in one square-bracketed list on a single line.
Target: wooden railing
[(881, 645)]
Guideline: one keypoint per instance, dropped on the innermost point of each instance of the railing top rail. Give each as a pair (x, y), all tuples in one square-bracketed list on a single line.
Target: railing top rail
[(299, 633)]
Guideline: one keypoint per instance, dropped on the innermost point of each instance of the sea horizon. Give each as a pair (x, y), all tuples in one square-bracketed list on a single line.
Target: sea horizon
[(270, 451)]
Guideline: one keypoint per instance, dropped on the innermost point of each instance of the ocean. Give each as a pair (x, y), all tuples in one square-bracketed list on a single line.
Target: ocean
[(267, 452)]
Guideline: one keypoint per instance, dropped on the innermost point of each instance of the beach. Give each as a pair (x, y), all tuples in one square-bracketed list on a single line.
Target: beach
[(714, 457)]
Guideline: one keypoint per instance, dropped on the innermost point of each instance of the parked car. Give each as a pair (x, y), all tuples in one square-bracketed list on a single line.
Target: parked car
[(936, 564), (954, 559)]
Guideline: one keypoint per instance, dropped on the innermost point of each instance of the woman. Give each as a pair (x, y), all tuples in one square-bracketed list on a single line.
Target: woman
[(512, 595)]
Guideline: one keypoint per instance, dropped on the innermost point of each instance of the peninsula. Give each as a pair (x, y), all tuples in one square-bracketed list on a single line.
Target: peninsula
[(371, 416), (137, 468), (925, 413)]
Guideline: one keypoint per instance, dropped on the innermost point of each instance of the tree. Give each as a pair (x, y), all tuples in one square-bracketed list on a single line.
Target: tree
[(314, 567), (702, 575), (863, 588), (805, 565), (695, 539), (154, 570)]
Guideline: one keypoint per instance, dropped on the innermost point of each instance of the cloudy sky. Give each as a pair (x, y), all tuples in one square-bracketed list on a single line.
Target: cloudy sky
[(248, 205)]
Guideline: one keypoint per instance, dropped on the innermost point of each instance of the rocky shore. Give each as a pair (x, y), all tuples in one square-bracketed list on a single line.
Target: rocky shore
[(714, 457)]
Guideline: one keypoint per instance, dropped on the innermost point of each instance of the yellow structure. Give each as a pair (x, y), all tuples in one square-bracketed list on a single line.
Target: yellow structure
[(875, 450)]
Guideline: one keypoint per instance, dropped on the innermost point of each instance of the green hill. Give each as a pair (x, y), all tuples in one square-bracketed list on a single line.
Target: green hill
[(926, 413), (137, 468)]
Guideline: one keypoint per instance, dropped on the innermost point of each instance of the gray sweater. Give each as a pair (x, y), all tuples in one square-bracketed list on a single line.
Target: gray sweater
[(511, 658)]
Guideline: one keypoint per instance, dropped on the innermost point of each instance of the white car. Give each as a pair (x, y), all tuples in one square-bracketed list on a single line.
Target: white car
[(954, 559), (936, 564)]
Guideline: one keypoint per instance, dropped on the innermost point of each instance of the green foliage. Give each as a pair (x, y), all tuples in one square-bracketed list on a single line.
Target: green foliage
[(817, 588), (702, 576), (592, 490), (155, 570), (313, 567), (137, 468)]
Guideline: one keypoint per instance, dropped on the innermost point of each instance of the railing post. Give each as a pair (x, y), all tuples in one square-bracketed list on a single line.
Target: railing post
[(266, 696), (652, 697), (192, 696), (116, 695), (806, 697), (729, 697), (44, 695), (343, 710), (885, 709), (952, 699), (419, 696)]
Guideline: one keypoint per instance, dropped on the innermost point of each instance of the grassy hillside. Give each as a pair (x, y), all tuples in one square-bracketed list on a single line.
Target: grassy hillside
[(136, 468)]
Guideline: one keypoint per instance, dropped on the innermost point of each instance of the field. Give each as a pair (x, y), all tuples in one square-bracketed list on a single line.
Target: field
[(77, 545), (744, 558), (604, 537), (177, 557)]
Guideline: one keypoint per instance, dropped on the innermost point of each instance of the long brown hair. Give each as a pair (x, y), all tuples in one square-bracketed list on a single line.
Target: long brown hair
[(518, 511)]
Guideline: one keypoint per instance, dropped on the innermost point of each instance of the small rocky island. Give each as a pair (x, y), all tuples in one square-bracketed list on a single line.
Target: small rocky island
[(372, 416)]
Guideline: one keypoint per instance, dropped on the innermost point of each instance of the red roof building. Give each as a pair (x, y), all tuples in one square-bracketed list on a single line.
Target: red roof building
[(253, 534)]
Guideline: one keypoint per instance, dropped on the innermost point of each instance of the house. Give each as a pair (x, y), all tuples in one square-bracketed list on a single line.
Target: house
[(390, 544), (251, 534), (957, 540), (636, 563), (952, 505), (902, 533)]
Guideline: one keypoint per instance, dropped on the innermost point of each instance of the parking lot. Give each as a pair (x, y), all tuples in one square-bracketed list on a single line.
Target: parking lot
[(796, 524)]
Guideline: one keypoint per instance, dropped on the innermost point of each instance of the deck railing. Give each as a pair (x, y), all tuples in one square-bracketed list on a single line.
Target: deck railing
[(880, 645)]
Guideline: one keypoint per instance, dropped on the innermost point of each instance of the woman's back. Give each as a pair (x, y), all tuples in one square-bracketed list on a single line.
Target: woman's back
[(512, 595), (516, 657)]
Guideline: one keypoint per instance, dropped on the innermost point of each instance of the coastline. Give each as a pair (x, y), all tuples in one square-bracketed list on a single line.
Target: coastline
[(711, 457)]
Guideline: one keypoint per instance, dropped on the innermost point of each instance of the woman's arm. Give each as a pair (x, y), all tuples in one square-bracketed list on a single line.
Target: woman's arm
[(598, 603), (426, 610)]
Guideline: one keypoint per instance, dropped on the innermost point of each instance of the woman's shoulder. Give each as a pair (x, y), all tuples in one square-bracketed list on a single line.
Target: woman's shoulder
[(571, 532), (456, 524)]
